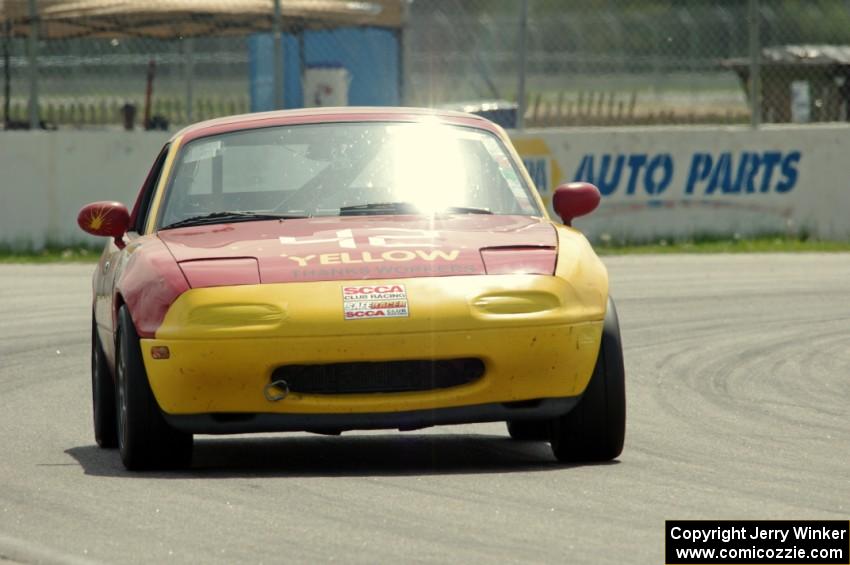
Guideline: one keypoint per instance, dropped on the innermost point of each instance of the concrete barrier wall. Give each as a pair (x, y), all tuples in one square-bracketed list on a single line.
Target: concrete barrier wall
[(46, 177), (656, 182), (691, 181)]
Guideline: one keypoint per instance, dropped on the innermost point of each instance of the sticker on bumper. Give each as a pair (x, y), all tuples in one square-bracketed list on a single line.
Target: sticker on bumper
[(380, 301)]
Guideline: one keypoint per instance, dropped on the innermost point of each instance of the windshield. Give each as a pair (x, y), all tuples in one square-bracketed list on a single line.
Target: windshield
[(329, 169)]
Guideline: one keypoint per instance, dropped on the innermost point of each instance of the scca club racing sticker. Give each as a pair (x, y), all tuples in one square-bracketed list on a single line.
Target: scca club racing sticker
[(374, 301)]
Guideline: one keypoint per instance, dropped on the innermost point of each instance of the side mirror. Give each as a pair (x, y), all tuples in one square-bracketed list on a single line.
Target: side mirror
[(107, 219), (575, 199)]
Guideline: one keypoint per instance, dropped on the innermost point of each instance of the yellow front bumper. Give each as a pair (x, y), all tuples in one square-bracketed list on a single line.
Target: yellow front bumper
[(538, 337)]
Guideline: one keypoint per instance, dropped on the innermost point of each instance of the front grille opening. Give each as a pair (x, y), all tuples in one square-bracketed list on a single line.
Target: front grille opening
[(533, 403), (231, 417), (382, 376)]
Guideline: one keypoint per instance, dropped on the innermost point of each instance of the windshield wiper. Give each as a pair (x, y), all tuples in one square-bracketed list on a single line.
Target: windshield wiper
[(229, 217), (464, 210), (376, 208)]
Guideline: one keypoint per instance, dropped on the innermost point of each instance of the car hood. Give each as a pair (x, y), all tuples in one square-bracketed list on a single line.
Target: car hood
[(357, 248)]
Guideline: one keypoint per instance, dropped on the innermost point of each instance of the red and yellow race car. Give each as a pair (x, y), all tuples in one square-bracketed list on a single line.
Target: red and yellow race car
[(326, 270)]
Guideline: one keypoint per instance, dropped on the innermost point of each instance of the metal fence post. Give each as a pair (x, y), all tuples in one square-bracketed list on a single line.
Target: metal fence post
[(32, 53), (523, 46), (278, 57), (402, 36), (189, 60), (7, 73), (755, 65)]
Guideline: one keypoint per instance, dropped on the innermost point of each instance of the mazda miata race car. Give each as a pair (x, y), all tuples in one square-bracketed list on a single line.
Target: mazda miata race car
[(326, 270)]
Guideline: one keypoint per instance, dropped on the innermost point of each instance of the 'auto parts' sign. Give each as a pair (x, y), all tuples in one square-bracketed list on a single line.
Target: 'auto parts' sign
[(707, 173), (689, 181), (654, 174)]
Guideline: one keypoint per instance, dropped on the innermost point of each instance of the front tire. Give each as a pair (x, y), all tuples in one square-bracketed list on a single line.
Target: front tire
[(103, 395), (595, 429), (145, 440)]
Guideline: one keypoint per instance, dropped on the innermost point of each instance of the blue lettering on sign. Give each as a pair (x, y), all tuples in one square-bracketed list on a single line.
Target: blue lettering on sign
[(538, 169), (656, 182), (636, 162), (746, 172)]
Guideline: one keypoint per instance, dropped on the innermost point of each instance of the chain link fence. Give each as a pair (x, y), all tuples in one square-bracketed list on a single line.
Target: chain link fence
[(601, 62), (88, 82), (585, 62)]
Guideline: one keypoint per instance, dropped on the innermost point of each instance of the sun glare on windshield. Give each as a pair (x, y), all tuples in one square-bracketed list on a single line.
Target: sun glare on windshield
[(430, 170)]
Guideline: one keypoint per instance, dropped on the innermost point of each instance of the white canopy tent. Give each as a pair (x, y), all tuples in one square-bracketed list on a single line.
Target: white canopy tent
[(165, 19), (183, 19)]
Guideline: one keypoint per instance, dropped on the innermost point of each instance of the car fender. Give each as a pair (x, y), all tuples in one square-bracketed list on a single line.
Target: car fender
[(579, 265), (149, 281)]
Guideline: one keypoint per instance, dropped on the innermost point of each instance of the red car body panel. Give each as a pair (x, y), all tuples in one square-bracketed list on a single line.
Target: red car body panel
[(361, 247), (331, 115), (149, 283)]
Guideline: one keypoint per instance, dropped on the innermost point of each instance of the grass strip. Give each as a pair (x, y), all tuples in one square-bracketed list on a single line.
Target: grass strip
[(50, 254), (773, 244)]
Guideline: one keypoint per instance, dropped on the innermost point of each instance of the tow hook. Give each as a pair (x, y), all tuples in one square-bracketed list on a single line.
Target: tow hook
[(276, 391)]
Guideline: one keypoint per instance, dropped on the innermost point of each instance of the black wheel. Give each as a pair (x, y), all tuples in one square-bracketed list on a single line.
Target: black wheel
[(145, 440), (594, 430), (529, 430), (103, 395)]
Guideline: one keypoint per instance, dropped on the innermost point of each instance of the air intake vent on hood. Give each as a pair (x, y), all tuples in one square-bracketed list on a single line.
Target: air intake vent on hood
[(519, 260)]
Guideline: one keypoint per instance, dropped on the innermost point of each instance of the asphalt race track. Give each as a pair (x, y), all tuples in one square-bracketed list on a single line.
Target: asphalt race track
[(739, 395)]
